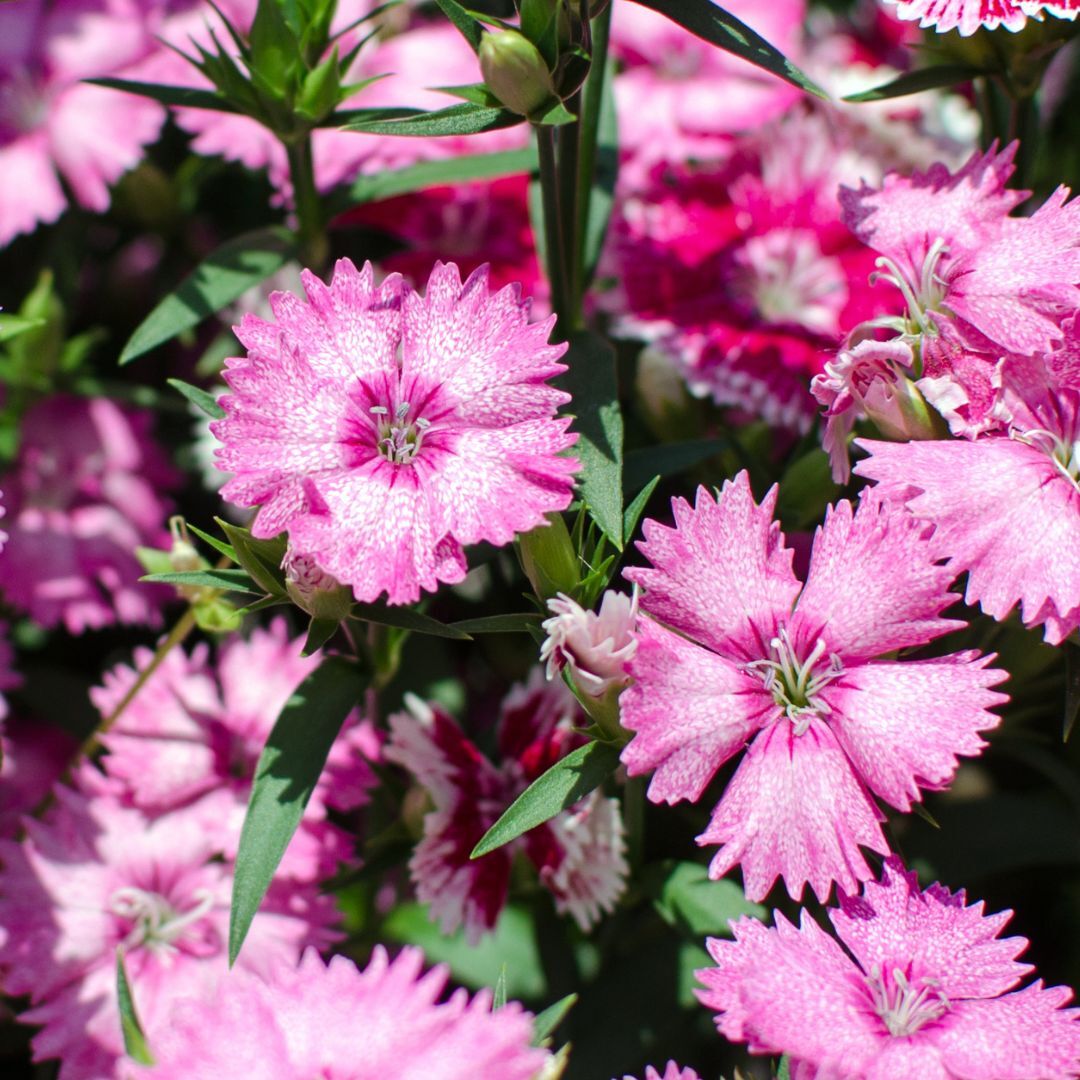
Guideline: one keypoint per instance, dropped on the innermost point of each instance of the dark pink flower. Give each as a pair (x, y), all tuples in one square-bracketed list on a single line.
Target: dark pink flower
[(578, 853), (85, 491), (737, 651), (919, 985), (385, 429)]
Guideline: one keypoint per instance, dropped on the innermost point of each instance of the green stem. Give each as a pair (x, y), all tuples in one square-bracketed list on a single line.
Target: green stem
[(571, 201), (554, 237), (589, 139), (314, 246)]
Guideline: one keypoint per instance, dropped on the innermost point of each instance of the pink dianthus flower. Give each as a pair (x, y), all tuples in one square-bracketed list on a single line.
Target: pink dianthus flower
[(1006, 505), (385, 429), (738, 651), (967, 16), (196, 728), (96, 876), (337, 1020), (579, 853), (672, 1072), (919, 984), (53, 125), (85, 491)]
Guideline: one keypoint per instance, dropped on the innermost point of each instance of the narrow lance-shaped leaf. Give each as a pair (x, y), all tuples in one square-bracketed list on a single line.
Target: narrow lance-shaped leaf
[(565, 783), (404, 618), (223, 277), (915, 82), (550, 1018), (592, 384), (513, 623), (713, 24), (135, 1044), (288, 769), (464, 119), (230, 580), (468, 26), (198, 397), (186, 97)]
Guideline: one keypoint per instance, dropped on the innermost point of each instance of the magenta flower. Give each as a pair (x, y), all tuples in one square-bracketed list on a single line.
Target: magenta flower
[(920, 985), (337, 1020), (579, 854), (196, 728), (737, 650), (743, 274), (85, 491), (385, 430), (1005, 506), (97, 876), (54, 127), (672, 1072)]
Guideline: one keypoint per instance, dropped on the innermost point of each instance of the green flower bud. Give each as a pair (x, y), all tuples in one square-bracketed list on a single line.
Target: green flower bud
[(515, 72), (313, 590)]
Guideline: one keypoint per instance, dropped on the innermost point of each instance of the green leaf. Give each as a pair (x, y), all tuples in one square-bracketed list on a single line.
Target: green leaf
[(153, 560), (186, 97), (469, 28), (220, 279), (231, 580), (288, 769), (425, 174), (667, 460), (783, 1070), (545, 1022), (464, 119), (1072, 688), (206, 402), (13, 325), (477, 93), (498, 997), (591, 382), (567, 781), (320, 631), (260, 558), (557, 115), (686, 898), (135, 1044), (915, 82), (713, 24), (515, 623), (405, 618), (218, 545), (637, 507)]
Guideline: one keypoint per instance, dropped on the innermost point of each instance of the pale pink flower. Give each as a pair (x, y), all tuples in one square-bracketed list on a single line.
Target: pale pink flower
[(672, 1072), (596, 645), (919, 985), (84, 492), (96, 876), (975, 283), (56, 129), (1005, 506), (386, 430), (335, 1019), (679, 97), (196, 728), (738, 651), (579, 853)]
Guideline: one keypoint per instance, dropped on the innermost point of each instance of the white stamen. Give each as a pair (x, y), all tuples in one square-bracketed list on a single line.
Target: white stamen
[(157, 923), (904, 1007), (793, 683)]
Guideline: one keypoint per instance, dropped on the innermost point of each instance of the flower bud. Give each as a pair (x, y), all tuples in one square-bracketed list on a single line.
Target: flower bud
[(313, 590), (548, 558), (596, 646), (515, 72)]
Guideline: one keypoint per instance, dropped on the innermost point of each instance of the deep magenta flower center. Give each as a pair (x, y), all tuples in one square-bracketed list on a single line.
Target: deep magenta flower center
[(796, 682), (904, 1005)]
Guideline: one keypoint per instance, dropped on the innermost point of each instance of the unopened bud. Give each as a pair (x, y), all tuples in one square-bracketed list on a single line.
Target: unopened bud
[(595, 645), (313, 590), (183, 557), (515, 72)]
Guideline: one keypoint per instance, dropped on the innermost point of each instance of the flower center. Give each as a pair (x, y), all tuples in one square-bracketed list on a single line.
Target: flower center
[(23, 106), (1064, 453), (904, 1007), (927, 294), (399, 438), (155, 922), (793, 683)]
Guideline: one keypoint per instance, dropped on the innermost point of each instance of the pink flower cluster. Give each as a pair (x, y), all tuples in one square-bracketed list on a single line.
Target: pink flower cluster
[(987, 335), (967, 16), (578, 854)]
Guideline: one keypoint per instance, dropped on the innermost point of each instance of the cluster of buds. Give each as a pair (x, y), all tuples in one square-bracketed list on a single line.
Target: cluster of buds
[(532, 69)]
